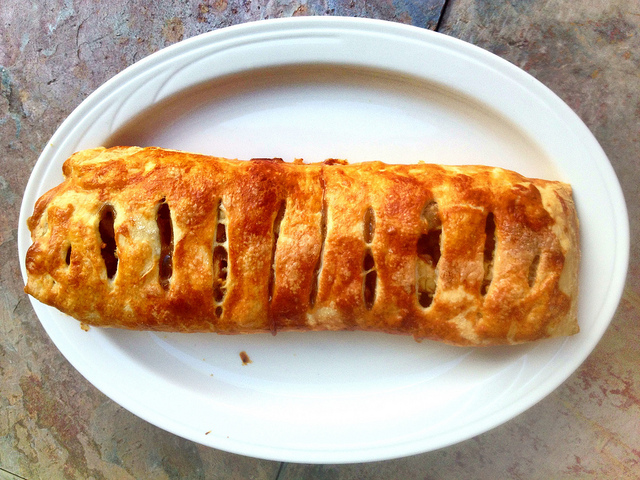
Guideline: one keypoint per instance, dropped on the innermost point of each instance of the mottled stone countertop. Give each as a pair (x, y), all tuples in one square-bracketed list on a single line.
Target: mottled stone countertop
[(54, 53)]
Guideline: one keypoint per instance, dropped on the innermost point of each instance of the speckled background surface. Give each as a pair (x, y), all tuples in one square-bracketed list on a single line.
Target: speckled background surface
[(54, 53)]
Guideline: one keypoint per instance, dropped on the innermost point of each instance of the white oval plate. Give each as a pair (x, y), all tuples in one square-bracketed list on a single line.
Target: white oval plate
[(358, 89)]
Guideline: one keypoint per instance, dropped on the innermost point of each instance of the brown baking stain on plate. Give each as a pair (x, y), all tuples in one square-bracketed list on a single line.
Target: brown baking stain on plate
[(245, 358)]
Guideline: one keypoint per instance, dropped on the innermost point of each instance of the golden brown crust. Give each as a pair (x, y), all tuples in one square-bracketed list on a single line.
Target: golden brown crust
[(466, 255)]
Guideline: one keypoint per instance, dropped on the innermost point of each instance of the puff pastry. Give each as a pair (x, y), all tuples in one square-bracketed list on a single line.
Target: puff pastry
[(147, 238)]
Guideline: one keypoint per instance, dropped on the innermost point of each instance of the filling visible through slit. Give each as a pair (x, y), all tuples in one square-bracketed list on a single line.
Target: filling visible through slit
[(370, 280), (428, 251), (369, 225), (67, 258), (431, 215), (220, 260), (533, 271), (323, 236), (276, 233), (220, 265), (370, 276), (165, 229), (107, 236), (489, 252)]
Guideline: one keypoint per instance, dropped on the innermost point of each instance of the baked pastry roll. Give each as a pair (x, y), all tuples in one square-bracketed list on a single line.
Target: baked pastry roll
[(147, 238)]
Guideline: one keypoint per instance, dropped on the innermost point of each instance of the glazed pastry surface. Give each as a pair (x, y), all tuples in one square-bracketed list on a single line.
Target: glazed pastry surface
[(154, 239)]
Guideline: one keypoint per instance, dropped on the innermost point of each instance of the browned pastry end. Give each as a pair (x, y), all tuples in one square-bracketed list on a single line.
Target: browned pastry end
[(147, 238)]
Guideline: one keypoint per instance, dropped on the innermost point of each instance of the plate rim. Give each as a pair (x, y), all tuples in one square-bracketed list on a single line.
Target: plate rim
[(368, 25)]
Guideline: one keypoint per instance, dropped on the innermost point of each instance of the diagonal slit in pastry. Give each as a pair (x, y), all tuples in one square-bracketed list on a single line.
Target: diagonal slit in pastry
[(428, 251), (490, 245), (108, 248), (67, 257), (533, 271), (370, 276), (165, 231), (370, 280), (313, 295), (220, 258), (276, 234), (369, 225)]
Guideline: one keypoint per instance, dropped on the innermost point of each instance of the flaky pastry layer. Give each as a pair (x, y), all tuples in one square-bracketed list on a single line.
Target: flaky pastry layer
[(147, 238)]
